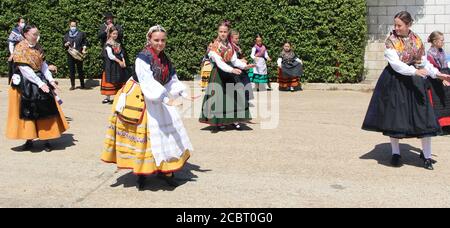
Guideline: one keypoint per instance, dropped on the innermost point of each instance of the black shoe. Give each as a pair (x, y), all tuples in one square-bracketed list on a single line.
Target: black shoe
[(111, 101), (47, 147), (141, 183), (395, 161), (428, 164), (105, 101), (216, 129), (27, 146), (170, 180), (422, 156), (72, 88), (269, 89)]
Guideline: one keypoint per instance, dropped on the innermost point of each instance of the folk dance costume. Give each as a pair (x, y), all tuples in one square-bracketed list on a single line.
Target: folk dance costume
[(440, 93), (14, 38), (221, 106), (114, 76), (259, 74), (205, 70), (78, 41), (32, 113), (400, 105), (244, 77), (290, 69), (145, 134)]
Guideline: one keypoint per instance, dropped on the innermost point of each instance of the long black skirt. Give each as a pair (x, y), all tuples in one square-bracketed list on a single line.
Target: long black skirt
[(441, 99), (401, 107)]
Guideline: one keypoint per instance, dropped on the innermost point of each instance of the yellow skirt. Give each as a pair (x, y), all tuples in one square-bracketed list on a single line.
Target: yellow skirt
[(129, 147), (45, 129)]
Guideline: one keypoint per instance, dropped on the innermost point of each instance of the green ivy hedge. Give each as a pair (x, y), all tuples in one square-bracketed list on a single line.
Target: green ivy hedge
[(329, 35)]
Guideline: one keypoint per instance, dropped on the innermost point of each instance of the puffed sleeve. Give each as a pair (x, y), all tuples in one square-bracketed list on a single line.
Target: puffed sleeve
[(47, 73), (151, 88), (219, 62), (176, 88)]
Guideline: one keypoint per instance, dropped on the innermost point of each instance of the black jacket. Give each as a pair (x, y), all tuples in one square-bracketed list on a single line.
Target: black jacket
[(79, 41)]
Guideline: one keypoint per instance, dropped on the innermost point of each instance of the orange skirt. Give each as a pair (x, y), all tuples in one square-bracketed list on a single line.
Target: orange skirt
[(286, 83), (109, 89), (45, 129)]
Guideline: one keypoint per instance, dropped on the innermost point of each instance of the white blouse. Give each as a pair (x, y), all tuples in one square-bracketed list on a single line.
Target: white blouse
[(280, 61), (152, 89), (404, 69), (29, 74), (253, 55), (217, 59), (110, 54)]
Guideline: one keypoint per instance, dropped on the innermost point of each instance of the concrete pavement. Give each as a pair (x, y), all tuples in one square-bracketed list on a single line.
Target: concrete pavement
[(317, 157)]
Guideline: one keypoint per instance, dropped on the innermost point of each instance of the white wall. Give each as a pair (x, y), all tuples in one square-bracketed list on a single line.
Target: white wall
[(429, 15)]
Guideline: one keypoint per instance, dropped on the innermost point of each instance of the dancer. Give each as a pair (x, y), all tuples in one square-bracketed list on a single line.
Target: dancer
[(146, 133), (400, 106), (33, 111), (224, 102)]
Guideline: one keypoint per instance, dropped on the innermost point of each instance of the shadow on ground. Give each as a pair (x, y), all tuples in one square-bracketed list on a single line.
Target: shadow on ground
[(382, 154), (60, 144), (154, 183)]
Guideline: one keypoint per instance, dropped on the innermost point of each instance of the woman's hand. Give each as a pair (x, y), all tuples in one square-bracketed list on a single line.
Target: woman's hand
[(422, 73), (446, 83), (172, 102), (192, 98), (236, 71), (53, 68), (249, 66), (45, 88), (444, 77), (55, 85), (122, 63)]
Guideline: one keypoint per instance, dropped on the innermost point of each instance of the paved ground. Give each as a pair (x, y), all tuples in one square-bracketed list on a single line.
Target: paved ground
[(316, 157)]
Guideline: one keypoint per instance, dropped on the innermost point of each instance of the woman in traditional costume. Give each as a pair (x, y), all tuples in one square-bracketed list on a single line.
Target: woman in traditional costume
[(224, 102), (400, 106), (114, 74), (244, 77), (146, 133), (289, 70), (33, 111), (440, 90), (260, 56)]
